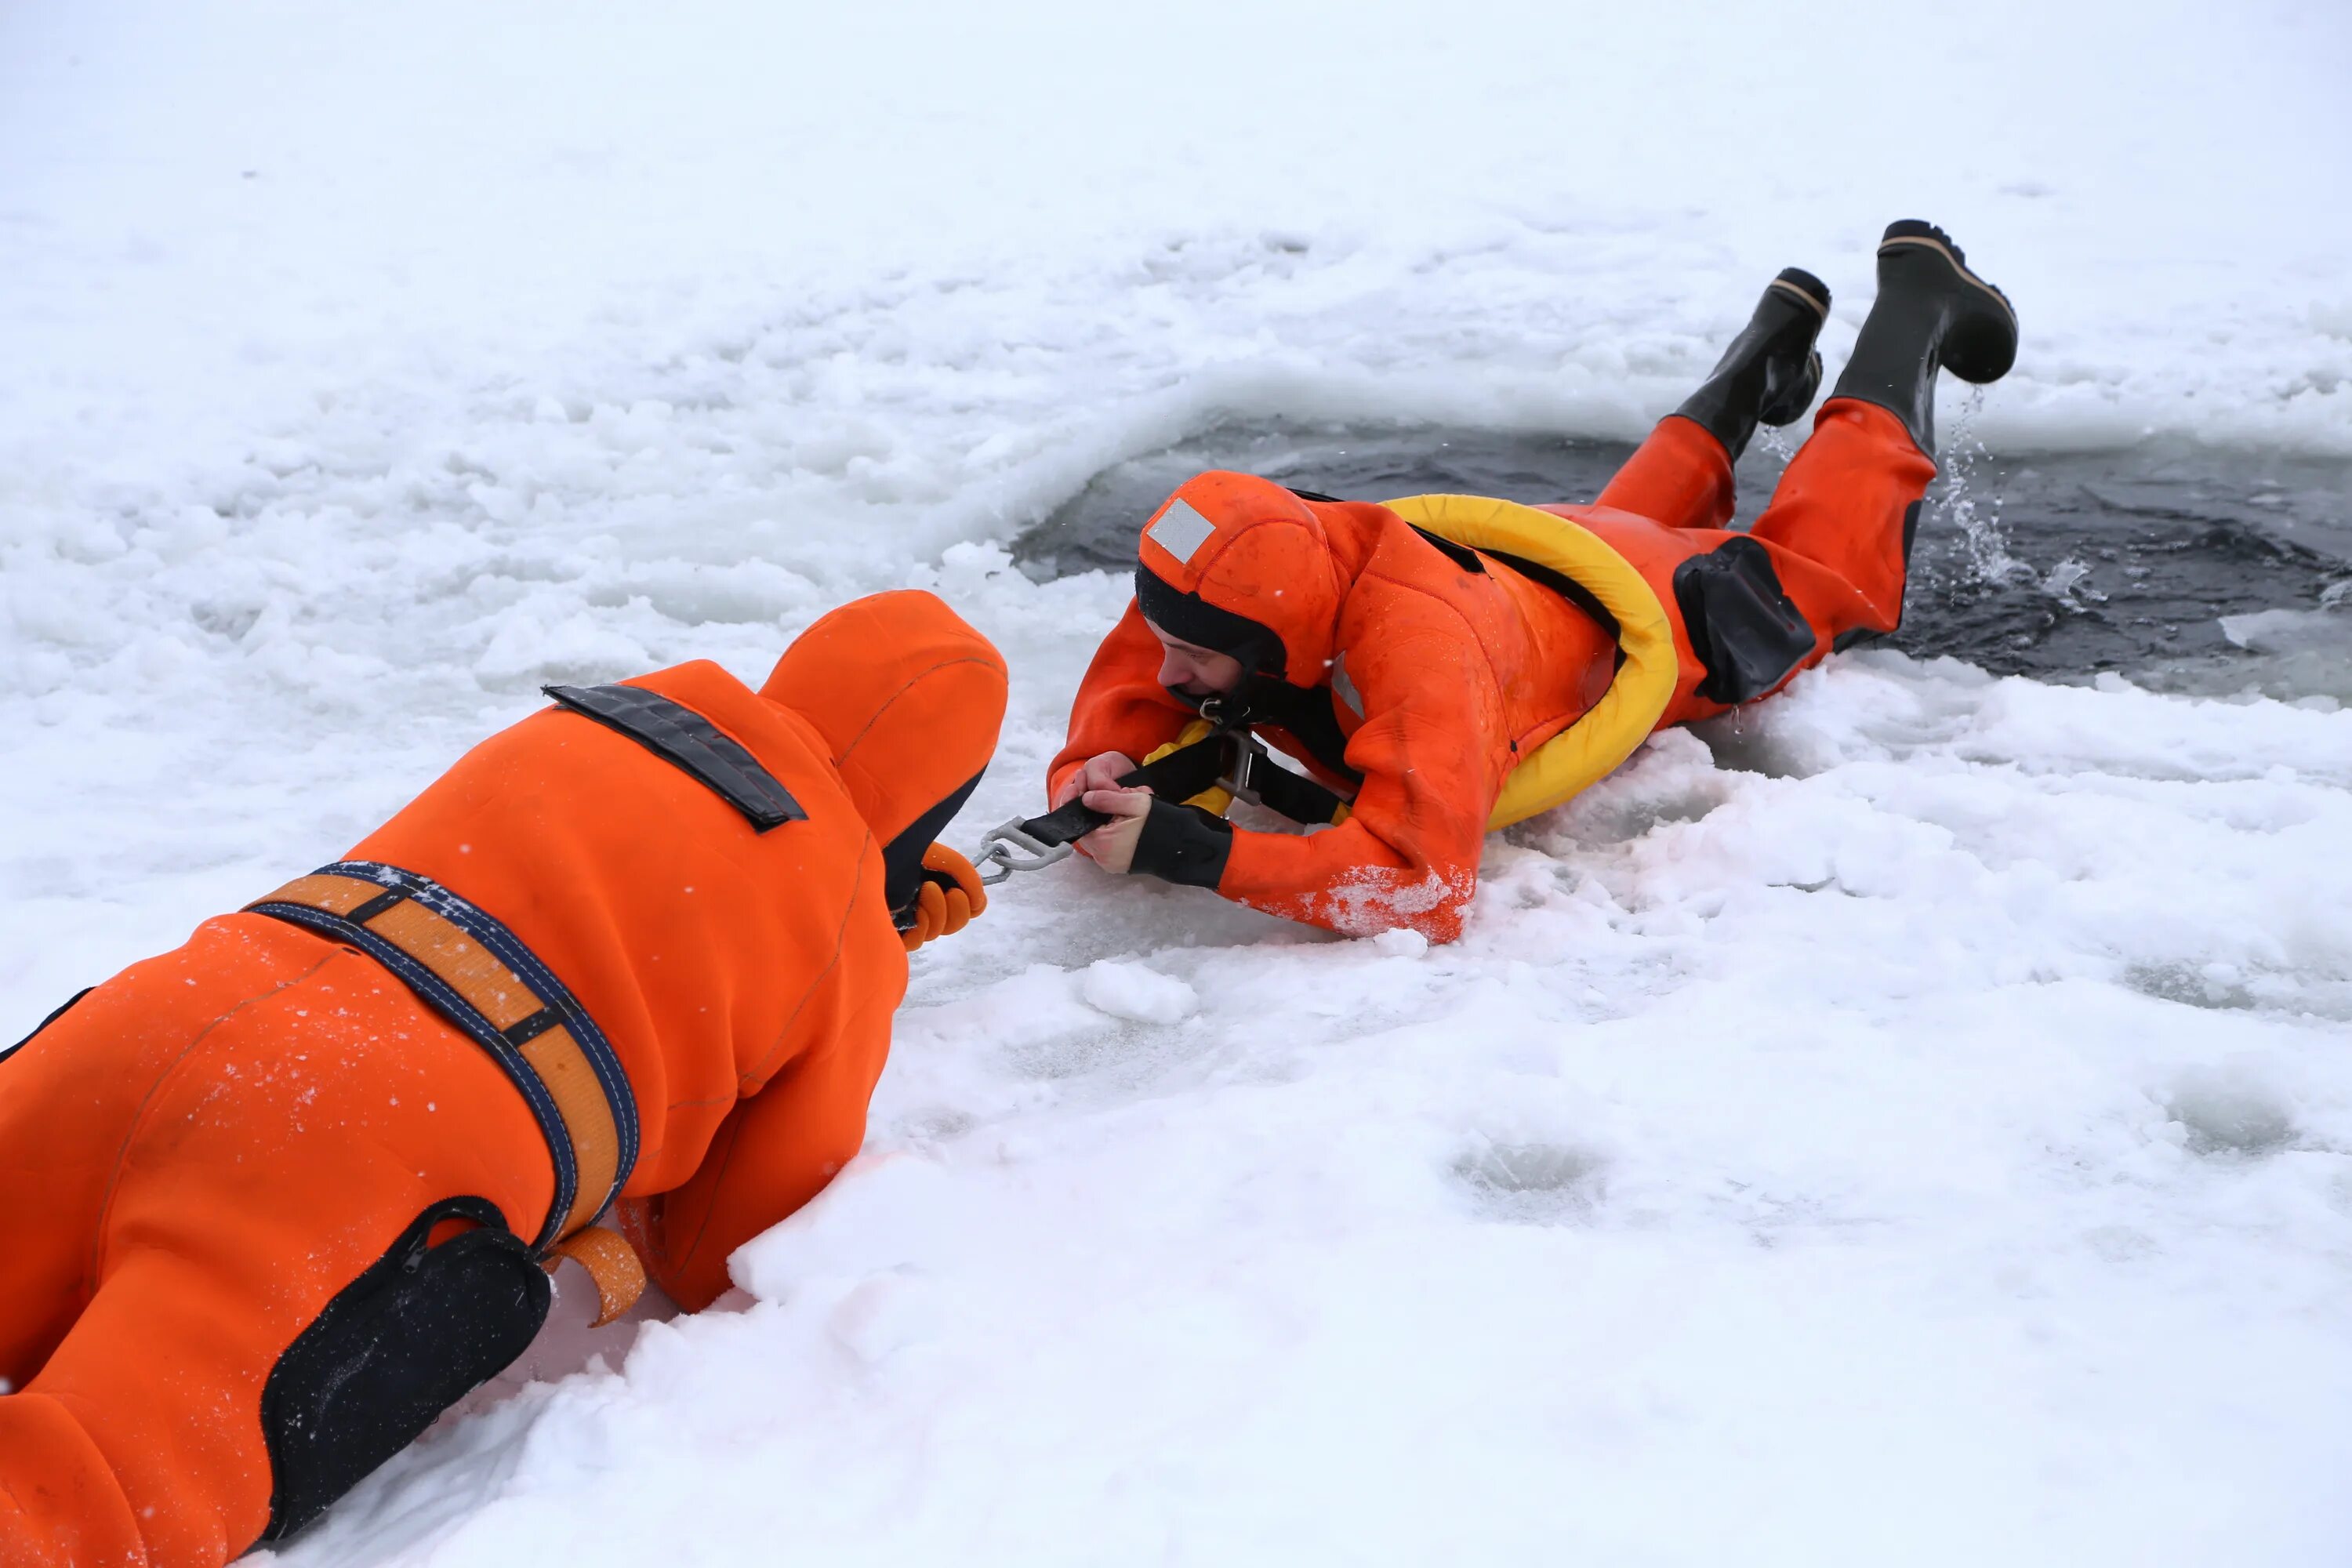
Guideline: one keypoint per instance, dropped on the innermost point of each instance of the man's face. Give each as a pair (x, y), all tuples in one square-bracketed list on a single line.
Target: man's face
[(1193, 670)]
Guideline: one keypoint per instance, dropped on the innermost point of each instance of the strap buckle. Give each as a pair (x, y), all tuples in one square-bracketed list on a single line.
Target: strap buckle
[(1012, 847), (1249, 756)]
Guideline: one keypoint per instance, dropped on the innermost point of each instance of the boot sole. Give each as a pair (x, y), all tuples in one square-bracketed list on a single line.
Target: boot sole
[(1976, 361)]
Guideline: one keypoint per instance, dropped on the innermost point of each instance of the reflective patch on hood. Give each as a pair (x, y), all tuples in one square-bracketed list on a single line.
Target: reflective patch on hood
[(1181, 530), (1345, 689)]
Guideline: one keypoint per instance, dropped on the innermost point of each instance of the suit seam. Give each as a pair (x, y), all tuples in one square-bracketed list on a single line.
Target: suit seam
[(907, 685), (679, 1261)]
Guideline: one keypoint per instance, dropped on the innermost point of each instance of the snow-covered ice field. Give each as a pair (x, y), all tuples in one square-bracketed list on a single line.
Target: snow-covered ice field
[(1910, 1124)]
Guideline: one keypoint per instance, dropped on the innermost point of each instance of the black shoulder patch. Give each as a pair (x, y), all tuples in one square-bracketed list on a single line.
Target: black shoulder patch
[(684, 739)]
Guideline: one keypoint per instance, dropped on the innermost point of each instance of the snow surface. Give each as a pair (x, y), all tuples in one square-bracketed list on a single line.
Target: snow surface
[(1911, 1123)]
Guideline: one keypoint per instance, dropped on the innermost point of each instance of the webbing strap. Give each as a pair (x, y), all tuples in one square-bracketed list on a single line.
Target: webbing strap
[(473, 971), (611, 1263), (1180, 773), (1294, 795), (1180, 776)]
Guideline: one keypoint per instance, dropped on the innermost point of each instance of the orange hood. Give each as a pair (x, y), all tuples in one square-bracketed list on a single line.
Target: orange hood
[(1240, 564), (908, 700)]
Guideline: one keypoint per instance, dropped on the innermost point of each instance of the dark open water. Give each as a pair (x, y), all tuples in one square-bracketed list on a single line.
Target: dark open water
[(2186, 569)]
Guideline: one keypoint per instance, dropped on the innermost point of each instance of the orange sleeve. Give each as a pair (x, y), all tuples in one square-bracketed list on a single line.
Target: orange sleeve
[(773, 1152), (1121, 705), (1434, 749)]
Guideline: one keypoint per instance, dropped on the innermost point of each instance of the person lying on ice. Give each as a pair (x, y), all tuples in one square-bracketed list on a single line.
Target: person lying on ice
[(273, 1201), (1435, 676)]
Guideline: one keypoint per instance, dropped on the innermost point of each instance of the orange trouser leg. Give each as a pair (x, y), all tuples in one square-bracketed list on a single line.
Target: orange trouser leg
[(1835, 528), (1679, 476), (199, 1156), (1837, 523), (59, 1500)]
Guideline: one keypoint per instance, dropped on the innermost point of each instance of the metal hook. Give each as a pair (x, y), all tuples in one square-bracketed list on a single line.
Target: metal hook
[(1012, 848)]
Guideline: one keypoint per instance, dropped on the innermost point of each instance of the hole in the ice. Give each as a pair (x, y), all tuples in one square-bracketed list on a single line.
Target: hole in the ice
[(1532, 1183), (2226, 1111), (2062, 565)]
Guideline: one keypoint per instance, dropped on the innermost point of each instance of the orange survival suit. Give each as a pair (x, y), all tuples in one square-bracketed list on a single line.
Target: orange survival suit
[(271, 1202), (1411, 675)]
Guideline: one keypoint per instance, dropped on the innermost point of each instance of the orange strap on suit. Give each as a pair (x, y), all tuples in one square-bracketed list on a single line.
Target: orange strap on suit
[(1414, 675), (475, 973)]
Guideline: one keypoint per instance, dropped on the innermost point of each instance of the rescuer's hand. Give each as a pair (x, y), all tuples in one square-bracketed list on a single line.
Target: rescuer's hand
[(1112, 845), (1100, 772), (951, 896)]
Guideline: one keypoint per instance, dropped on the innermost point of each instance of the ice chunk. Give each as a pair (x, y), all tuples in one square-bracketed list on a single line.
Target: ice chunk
[(1137, 992)]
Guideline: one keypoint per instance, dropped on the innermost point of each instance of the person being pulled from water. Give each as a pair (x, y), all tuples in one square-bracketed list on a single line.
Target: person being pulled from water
[(273, 1201), (1443, 665)]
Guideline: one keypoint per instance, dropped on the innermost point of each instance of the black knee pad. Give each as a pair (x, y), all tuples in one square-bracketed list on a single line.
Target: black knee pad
[(423, 1327), (1744, 628)]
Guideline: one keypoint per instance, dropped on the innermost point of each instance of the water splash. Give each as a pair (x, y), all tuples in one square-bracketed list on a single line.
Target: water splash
[(1975, 508)]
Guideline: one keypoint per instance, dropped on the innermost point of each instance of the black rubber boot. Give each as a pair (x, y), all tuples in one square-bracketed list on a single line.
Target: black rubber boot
[(1931, 312), (1771, 372)]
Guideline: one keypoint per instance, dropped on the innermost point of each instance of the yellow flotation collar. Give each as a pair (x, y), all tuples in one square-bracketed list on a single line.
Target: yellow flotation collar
[(1584, 752)]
